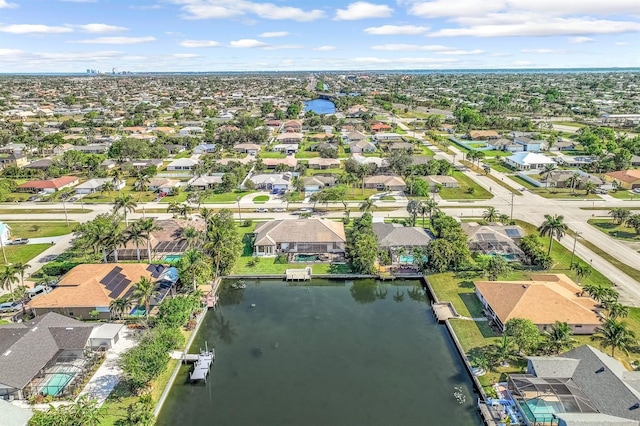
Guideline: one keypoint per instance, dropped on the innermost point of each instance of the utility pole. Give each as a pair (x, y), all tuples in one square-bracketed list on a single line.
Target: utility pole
[(239, 213), (64, 207), (573, 252), (512, 194)]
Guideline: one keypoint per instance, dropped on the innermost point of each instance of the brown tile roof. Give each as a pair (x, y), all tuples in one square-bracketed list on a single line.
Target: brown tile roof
[(629, 176), (543, 300), (82, 286), (299, 231), (483, 134), (50, 183)]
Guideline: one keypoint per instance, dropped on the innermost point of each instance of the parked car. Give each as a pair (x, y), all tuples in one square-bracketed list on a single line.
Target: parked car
[(72, 199), (636, 190), (262, 210), (279, 210), (33, 198), (10, 306), (18, 241)]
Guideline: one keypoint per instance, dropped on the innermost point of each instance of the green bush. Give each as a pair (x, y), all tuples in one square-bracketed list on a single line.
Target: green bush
[(177, 311), (58, 268)]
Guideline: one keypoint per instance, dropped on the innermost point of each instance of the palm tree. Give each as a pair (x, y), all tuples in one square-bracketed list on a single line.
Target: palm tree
[(491, 214), (617, 310), (20, 269), (582, 271), (141, 182), (431, 206), (195, 265), (546, 173), (119, 306), (559, 338), (615, 334), (183, 210), (633, 221), (143, 291), (367, 205), (125, 203), (503, 218), (619, 215), (206, 214), (148, 226), (106, 187), (553, 226), (192, 236), (573, 182), (136, 234), (115, 240), (502, 350), (589, 187), (117, 176), (8, 278)]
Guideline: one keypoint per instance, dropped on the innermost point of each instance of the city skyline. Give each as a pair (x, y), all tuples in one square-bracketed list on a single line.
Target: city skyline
[(243, 35)]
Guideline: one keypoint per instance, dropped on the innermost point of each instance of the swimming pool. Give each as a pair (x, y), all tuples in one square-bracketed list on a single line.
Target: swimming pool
[(172, 257), (409, 259), (306, 258), (56, 383), (539, 410)]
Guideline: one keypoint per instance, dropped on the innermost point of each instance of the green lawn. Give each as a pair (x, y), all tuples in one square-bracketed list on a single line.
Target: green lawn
[(36, 211), (268, 265), (523, 182), (226, 197), (24, 253), (261, 199), (564, 193), (632, 272), (625, 195), (473, 334), (307, 154), (325, 171), (425, 151), (37, 229), (17, 196), (459, 291), (621, 232), (265, 154), (108, 197), (180, 198), (460, 193), (498, 166)]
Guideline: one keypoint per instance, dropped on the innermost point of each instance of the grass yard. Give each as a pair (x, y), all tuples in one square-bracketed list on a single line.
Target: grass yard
[(226, 197), (268, 265), (18, 197), (24, 253), (498, 166), (36, 211), (632, 272), (564, 193), (325, 171), (307, 154), (425, 151), (261, 199), (109, 196), (37, 229), (492, 177), (473, 334), (621, 232), (265, 154), (180, 198), (625, 195), (460, 193), (523, 182)]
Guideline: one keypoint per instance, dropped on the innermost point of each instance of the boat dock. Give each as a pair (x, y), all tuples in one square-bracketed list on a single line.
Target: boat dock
[(202, 364), (298, 274)]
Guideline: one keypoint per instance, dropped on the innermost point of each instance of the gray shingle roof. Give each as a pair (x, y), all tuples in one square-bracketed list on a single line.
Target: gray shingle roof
[(395, 235)]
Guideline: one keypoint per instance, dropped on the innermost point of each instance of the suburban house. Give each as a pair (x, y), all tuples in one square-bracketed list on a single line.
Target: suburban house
[(528, 161), (17, 160), (247, 148), (92, 148), (401, 146), (289, 137), (96, 184), (191, 130), (477, 135), (289, 161), (205, 148), (287, 148), (319, 236), (385, 182), (627, 179), (320, 163), (581, 387), (173, 148), (560, 178), (545, 299), (279, 181), (380, 127), (356, 136), (292, 126), (165, 243), (182, 164), (46, 355), (317, 182), (361, 146), (494, 239), (205, 182), (48, 185), (380, 163), (43, 164), (530, 145), (163, 185), (399, 240), (442, 180), (88, 289), (142, 164)]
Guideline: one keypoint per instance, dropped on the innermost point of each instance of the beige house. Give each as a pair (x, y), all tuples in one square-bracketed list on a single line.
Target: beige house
[(324, 163), (299, 236), (545, 299), (385, 183)]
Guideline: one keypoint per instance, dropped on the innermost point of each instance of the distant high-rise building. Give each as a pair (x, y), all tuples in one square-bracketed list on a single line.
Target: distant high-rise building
[(114, 71)]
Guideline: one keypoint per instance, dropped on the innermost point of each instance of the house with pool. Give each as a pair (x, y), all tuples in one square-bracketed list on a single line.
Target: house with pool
[(399, 241), (581, 387), (494, 239), (49, 355), (303, 239)]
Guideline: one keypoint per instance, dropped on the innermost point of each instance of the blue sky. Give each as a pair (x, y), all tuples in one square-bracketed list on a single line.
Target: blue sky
[(245, 35)]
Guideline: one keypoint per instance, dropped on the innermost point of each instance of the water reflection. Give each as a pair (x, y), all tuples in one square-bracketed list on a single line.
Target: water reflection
[(363, 291), (223, 327), (399, 296), (381, 291), (230, 296), (417, 294)]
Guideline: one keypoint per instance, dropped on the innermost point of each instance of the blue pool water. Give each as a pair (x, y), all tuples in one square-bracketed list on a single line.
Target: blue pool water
[(320, 106), (56, 383), (172, 257), (409, 259), (538, 410)]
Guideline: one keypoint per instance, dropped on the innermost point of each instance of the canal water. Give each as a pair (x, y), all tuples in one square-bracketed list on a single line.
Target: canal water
[(325, 353), (320, 106)]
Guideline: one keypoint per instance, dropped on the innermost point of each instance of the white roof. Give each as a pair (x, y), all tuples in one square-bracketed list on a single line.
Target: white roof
[(105, 331), (94, 183), (182, 162), (526, 158)]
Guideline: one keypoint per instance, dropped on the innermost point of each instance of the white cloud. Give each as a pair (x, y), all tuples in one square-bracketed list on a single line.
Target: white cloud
[(461, 52), (325, 48), (199, 43), (542, 51), (410, 47), (621, 43), (79, 1), (100, 28), (6, 5), (522, 63), (580, 39), (272, 34), (417, 60), (363, 10), (116, 40), (283, 46), (540, 26), (247, 43), (225, 9), (396, 30), (33, 29), (148, 7), (184, 55)]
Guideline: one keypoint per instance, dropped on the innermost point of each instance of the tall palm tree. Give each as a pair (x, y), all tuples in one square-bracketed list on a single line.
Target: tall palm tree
[(8, 278), (20, 269), (148, 226), (114, 241), (125, 203), (546, 173), (143, 291), (117, 176), (106, 187), (559, 338), (589, 187), (367, 205), (142, 182), (553, 226), (617, 310), (615, 334), (135, 233), (491, 214), (573, 181), (192, 236), (431, 207), (195, 265), (206, 214), (619, 214)]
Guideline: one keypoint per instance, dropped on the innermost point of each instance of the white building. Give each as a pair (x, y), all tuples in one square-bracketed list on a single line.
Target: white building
[(528, 161)]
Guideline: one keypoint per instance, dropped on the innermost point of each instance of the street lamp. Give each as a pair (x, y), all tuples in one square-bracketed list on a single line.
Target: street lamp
[(573, 252), (239, 213), (512, 194)]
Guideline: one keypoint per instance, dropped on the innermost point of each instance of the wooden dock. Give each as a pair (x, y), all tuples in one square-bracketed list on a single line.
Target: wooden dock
[(202, 364), (298, 274)]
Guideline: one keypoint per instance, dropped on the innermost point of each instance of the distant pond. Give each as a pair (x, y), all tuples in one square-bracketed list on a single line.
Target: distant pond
[(320, 106)]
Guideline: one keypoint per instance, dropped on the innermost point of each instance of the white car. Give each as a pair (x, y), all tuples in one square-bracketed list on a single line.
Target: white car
[(636, 190)]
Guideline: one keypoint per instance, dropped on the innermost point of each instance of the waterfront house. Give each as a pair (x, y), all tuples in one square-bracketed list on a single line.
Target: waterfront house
[(399, 240), (494, 239), (318, 236), (545, 299), (165, 243)]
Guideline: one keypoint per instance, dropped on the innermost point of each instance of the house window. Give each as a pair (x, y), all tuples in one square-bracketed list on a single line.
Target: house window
[(578, 326)]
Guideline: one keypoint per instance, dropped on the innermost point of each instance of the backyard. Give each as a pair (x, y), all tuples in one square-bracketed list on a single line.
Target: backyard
[(467, 189)]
